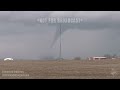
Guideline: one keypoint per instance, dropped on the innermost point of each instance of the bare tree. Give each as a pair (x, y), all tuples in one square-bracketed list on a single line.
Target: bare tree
[(108, 56), (114, 56), (77, 58)]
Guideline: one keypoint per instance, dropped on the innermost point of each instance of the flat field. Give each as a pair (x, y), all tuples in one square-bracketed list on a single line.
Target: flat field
[(63, 69)]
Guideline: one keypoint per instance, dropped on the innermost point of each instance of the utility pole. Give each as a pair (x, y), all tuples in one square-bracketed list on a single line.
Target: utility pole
[(60, 42)]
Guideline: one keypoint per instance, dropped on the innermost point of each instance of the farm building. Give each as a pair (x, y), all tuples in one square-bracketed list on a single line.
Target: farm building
[(96, 58), (8, 59)]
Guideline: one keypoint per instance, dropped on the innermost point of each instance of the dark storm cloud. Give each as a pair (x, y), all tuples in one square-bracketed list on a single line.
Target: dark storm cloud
[(108, 20), (91, 20)]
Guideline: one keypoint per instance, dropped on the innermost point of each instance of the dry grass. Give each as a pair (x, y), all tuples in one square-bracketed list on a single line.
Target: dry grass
[(64, 69)]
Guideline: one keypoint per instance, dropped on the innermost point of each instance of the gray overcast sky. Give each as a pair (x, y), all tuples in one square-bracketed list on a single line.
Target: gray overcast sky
[(22, 37)]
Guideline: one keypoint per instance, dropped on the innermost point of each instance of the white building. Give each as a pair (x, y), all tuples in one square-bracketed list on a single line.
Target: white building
[(97, 58), (8, 59)]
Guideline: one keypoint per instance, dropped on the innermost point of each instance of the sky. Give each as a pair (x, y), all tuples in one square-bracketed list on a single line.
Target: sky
[(23, 37)]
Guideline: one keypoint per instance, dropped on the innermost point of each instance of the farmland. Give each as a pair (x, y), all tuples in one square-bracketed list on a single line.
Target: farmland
[(63, 69)]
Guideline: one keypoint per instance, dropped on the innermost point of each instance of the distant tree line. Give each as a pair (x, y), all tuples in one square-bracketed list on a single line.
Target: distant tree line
[(109, 56)]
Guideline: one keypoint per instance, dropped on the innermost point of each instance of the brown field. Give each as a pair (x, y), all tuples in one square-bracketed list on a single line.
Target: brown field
[(64, 69)]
